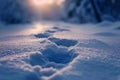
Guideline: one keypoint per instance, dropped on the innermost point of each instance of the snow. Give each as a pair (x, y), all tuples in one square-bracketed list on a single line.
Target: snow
[(60, 51)]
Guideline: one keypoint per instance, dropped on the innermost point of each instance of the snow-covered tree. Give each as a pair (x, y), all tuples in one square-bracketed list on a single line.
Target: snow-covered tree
[(92, 10), (14, 11)]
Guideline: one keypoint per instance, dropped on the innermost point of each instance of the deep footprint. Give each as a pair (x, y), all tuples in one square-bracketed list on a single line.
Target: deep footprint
[(58, 55), (37, 59), (52, 54), (63, 42)]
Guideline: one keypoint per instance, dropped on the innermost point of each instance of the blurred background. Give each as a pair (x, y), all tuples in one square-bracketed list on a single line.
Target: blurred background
[(77, 11)]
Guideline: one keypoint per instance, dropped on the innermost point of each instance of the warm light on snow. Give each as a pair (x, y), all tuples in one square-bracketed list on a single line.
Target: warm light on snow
[(35, 29), (40, 3)]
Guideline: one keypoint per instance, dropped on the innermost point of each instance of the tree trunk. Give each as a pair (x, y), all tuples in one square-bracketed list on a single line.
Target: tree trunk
[(97, 15)]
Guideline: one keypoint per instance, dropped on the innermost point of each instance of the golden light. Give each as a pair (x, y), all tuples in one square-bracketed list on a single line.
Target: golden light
[(42, 2), (39, 3), (46, 8), (35, 28)]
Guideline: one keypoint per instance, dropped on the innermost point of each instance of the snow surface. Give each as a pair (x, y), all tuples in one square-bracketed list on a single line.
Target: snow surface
[(60, 51)]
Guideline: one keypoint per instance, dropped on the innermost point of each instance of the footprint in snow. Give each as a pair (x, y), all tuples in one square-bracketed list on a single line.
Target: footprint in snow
[(43, 35), (60, 29), (63, 42)]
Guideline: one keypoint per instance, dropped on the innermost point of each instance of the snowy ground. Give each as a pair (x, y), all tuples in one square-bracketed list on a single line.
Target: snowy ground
[(60, 51)]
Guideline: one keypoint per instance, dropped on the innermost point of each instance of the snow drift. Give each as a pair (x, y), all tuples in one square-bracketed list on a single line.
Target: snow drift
[(62, 52)]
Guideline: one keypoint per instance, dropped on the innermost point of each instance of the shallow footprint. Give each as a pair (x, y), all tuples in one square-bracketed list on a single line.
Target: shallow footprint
[(59, 29), (63, 42), (51, 31), (43, 35)]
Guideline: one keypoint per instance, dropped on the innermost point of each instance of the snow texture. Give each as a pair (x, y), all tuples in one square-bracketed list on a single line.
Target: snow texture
[(61, 52)]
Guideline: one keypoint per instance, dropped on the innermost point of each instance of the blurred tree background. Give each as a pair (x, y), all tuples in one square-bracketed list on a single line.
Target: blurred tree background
[(92, 10), (80, 11)]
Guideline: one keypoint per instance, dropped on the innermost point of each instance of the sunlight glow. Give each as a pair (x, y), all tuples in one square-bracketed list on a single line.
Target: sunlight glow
[(46, 9), (39, 3), (35, 28)]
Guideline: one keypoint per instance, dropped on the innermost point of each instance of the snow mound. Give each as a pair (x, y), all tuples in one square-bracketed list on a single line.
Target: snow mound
[(55, 54)]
